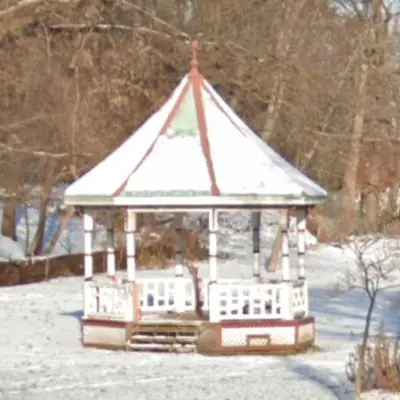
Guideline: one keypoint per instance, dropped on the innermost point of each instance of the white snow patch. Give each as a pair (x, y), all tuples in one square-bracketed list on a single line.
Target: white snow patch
[(42, 357)]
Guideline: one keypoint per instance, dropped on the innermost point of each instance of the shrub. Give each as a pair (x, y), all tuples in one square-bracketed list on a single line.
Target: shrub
[(382, 365)]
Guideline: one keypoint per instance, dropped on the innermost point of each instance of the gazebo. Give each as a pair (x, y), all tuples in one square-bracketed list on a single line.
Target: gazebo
[(195, 154)]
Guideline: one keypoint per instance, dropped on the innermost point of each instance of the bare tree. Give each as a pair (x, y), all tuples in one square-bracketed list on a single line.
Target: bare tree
[(376, 269)]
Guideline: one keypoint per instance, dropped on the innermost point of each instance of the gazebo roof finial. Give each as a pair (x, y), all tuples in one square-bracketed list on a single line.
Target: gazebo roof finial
[(195, 61)]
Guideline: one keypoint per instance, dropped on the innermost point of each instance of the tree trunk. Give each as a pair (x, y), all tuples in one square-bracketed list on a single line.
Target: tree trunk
[(27, 230), (276, 250), (394, 192), (372, 195), (395, 187), (360, 375), (282, 51), (8, 227), (37, 243), (63, 224), (194, 272), (349, 191)]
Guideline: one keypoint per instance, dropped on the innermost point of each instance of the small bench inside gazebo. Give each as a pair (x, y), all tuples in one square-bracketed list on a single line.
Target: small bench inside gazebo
[(195, 155)]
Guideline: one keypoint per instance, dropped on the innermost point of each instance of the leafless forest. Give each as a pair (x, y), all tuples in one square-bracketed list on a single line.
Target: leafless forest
[(318, 79)]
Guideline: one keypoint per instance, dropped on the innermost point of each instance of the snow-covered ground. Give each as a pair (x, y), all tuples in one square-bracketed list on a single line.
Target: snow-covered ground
[(41, 356)]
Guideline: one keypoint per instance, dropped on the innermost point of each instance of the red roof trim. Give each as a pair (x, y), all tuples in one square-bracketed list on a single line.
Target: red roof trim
[(163, 130), (197, 82)]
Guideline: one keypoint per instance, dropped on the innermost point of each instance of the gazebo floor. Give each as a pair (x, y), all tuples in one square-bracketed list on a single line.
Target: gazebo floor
[(186, 332), (175, 317)]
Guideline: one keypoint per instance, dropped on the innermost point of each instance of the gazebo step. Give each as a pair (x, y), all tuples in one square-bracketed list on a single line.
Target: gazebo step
[(176, 348), (170, 327), (177, 336), (164, 339)]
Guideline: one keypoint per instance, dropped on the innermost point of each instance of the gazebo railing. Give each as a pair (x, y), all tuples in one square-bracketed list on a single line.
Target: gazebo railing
[(232, 299), (167, 294), (300, 297), (172, 294), (108, 300), (247, 301)]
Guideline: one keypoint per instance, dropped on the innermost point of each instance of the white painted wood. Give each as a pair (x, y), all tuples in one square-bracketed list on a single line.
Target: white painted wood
[(90, 298), (108, 300), (162, 347), (228, 299), (107, 177), (214, 313), (248, 301), (104, 335), (301, 242), (212, 251), (261, 176), (130, 230), (256, 225), (130, 312), (285, 260), (287, 300), (300, 297), (205, 282), (306, 298), (88, 245), (110, 220), (162, 294), (278, 335), (180, 295), (138, 338), (306, 332), (179, 269)]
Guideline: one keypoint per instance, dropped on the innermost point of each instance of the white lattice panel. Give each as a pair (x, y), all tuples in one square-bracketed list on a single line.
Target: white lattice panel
[(306, 332), (278, 335), (249, 301)]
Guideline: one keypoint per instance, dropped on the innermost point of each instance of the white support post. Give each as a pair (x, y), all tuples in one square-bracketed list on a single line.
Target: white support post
[(180, 295), (306, 298), (286, 299), (214, 301), (110, 245), (130, 230), (133, 309), (285, 247), (212, 250), (213, 293), (179, 259), (301, 243), (88, 246), (256, 224)]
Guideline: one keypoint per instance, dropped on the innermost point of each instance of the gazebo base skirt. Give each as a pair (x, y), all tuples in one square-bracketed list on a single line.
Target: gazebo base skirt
[(186, 336)]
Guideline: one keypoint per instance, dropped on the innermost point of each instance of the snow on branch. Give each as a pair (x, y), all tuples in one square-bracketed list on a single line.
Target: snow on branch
[(37, 153), (83, 27), (18, 6)]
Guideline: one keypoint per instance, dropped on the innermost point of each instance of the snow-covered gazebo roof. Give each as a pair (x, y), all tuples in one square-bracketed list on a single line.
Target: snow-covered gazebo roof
[(194, 152)]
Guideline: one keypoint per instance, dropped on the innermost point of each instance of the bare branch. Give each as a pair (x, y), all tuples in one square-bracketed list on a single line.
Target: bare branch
[(38, 153), (21, 4), (26, 121), (156, 19)]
